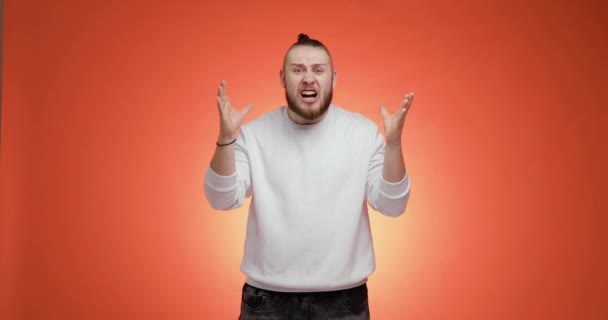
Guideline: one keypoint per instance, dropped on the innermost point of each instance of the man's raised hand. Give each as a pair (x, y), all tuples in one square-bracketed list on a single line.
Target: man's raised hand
[(230, 118), (393, 124)]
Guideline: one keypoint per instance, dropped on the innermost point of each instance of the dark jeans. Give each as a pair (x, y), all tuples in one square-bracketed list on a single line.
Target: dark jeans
[(260, 304)]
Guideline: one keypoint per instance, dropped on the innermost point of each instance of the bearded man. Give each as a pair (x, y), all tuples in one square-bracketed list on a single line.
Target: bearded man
[(310, 169)]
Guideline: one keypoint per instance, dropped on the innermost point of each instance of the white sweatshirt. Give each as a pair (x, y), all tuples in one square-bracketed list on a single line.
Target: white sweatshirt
[(308, 225)]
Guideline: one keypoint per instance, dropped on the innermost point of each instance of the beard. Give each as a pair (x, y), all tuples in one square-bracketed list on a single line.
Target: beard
[(305, 112)]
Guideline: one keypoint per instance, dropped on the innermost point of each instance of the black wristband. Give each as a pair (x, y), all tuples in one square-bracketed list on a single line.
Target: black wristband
[(225, 144)]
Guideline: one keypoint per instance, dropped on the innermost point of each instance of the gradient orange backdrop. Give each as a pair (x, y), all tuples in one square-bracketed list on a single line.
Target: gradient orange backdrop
[(109, 122)]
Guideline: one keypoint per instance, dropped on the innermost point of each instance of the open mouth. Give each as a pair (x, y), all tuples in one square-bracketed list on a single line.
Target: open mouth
[(309, 96)]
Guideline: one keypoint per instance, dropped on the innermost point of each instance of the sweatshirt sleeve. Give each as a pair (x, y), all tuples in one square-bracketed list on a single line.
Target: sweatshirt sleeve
[(229, 192), (385, 197)]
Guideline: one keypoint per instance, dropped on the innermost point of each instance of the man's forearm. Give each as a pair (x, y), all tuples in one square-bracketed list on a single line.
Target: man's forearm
[(394, 166), (223, 162)]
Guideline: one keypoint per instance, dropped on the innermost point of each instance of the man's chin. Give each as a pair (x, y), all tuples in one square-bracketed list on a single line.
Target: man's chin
[(307, 111)]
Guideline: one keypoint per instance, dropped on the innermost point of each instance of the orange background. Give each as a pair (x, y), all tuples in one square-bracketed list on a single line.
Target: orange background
[(109, 122)]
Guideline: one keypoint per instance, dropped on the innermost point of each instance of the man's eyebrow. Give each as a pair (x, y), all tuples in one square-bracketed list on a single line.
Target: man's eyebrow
[(303, 65)]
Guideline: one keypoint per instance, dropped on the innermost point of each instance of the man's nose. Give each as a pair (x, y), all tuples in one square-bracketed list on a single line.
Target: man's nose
[(308, 78)]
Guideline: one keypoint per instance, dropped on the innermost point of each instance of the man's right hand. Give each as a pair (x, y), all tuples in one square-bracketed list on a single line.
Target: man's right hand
[(230, 119)]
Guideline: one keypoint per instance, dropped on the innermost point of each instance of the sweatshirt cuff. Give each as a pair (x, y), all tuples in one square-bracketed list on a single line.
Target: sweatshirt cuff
[(394, 190), (220, 183)]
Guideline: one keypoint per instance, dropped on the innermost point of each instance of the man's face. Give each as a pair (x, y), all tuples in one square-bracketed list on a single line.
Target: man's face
[(308, 79)]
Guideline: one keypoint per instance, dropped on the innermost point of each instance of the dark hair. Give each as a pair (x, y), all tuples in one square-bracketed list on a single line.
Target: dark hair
[(305, 40)]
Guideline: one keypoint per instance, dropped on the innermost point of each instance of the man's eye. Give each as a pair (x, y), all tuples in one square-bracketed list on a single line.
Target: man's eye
[(297, 70), (319, 71)]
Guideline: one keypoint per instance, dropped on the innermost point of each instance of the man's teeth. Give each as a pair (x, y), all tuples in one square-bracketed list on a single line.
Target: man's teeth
[(309, 93)]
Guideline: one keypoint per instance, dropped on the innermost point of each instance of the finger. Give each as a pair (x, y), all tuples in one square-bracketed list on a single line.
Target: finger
[(405, 108), (221, 102), (383, 112), (411, 100), (402, 111), (221, 106), (221, 92), (400, 115), (409, 105), (246, 110), (408, 99), (407, 102)]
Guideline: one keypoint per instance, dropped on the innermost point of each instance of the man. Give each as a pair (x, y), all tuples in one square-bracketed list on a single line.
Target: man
[(311, 168)]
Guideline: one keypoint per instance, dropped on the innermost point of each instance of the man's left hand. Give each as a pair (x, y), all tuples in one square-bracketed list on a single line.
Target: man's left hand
[(393, 124)]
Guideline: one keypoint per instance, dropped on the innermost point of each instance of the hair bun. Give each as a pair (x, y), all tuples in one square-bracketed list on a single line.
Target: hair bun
[(302, 37)]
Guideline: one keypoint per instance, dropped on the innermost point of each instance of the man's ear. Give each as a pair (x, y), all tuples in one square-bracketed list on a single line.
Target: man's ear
[(282, 76), (334, 79)]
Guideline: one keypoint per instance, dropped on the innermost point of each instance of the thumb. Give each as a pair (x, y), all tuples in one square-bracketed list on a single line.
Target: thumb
[(246, 110), (384, 112)]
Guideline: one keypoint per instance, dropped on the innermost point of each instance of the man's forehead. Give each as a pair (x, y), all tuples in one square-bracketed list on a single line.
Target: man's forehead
[(307, 55)]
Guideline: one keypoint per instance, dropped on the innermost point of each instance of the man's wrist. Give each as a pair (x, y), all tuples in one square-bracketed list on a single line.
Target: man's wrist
[(222, 140), (225, 144), (393, 143)]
